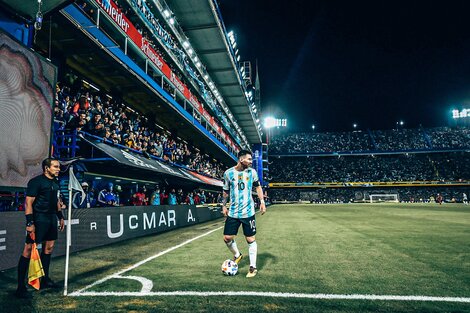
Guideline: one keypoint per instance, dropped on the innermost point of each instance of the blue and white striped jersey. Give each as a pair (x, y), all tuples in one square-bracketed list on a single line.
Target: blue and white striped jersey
[(239, 186)]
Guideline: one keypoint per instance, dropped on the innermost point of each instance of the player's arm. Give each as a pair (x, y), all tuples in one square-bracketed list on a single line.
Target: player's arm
[(28, 212), (259, 192), (224, 202), (225, 194)]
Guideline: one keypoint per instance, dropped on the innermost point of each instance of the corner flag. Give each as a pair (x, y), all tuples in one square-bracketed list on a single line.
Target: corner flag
[(73, 185)]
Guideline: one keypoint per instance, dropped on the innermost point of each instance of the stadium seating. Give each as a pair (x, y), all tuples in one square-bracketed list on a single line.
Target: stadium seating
[(431, 156), (122, 125), (430, 139)]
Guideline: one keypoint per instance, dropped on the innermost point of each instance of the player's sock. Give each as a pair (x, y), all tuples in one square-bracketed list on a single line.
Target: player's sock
[(253, 251), (23, 264), (232, 246), (46, 261)]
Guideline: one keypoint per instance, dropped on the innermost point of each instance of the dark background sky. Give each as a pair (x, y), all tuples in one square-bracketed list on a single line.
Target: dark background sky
[(335, 63)]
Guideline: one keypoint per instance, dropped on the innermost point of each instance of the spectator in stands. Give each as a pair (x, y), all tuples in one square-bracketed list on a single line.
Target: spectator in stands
[(180, 199), (202, 197), (197, 198), (82, 105), (117, 192), (107, 197), (139, 198), (167, 157), (189, 199), (163, 197), (77, 122), (155, 196), (96, 125), (172, 197), (219, 198)]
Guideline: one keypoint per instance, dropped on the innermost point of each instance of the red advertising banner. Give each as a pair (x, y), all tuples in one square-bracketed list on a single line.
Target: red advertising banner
[(131, 31)]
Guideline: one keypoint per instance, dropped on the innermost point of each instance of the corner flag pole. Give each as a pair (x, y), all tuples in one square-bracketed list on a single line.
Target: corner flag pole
[(73, 184), (69, 233)]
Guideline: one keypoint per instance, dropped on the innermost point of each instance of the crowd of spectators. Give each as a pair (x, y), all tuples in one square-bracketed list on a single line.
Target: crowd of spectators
[(320, 142), (372, 141), (113, 195), (400, 139), (109, 194), (450, 166), (350, 195), (113, 121), (446, 137)]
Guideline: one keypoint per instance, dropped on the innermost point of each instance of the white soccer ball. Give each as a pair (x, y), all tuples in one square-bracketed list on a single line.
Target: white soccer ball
[(229, 268)]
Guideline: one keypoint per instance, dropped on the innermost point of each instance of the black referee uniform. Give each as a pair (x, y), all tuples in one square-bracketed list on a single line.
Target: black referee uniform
[(46, 193)]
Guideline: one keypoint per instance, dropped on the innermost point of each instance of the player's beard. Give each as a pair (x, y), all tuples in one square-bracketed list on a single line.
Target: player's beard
[(245, 166)]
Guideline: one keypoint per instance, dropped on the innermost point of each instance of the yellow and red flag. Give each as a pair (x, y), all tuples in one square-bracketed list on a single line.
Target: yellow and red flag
[(35, 271)]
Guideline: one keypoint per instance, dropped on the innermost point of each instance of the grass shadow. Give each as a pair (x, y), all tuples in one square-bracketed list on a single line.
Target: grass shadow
[(265, 259)]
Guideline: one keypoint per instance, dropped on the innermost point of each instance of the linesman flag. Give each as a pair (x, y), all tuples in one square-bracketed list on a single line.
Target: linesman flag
[(74, 184), (35, 270)]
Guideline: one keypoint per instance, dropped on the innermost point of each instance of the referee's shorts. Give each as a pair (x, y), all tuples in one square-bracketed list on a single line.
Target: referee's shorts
[(46, 228)]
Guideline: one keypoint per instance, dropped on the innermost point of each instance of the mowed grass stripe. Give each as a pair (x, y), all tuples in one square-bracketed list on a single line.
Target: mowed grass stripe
[(346, 249), (395, 255)]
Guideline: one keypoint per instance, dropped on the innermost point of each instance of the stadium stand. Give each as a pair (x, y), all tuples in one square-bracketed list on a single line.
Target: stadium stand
[(372, 168), (118, 124), (129, 84), (419, 163), (396, 140)]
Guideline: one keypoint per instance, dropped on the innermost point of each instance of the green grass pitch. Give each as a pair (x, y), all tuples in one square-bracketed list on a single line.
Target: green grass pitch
[(351, 249)]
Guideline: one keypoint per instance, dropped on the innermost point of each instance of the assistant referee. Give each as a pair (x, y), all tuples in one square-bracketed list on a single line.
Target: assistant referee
[(42, 210)]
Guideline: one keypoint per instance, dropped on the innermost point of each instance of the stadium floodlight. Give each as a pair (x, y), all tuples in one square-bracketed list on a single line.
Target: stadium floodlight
[(166, 13), (198, 64), (186, 44), (269, 122), (190, 51)]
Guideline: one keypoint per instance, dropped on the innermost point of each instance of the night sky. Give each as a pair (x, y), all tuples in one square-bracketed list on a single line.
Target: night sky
[(335, 63)]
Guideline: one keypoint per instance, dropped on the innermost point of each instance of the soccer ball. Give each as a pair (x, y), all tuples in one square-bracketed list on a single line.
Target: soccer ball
[(229, 268)]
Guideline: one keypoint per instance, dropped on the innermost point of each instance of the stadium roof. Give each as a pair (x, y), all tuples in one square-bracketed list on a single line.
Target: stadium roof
[(201, 24), (28, 9), (83, 56)]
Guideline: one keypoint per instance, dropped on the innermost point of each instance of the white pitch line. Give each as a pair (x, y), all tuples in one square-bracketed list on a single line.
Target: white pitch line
[(117, 274), (147, 284), (319, 296)]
